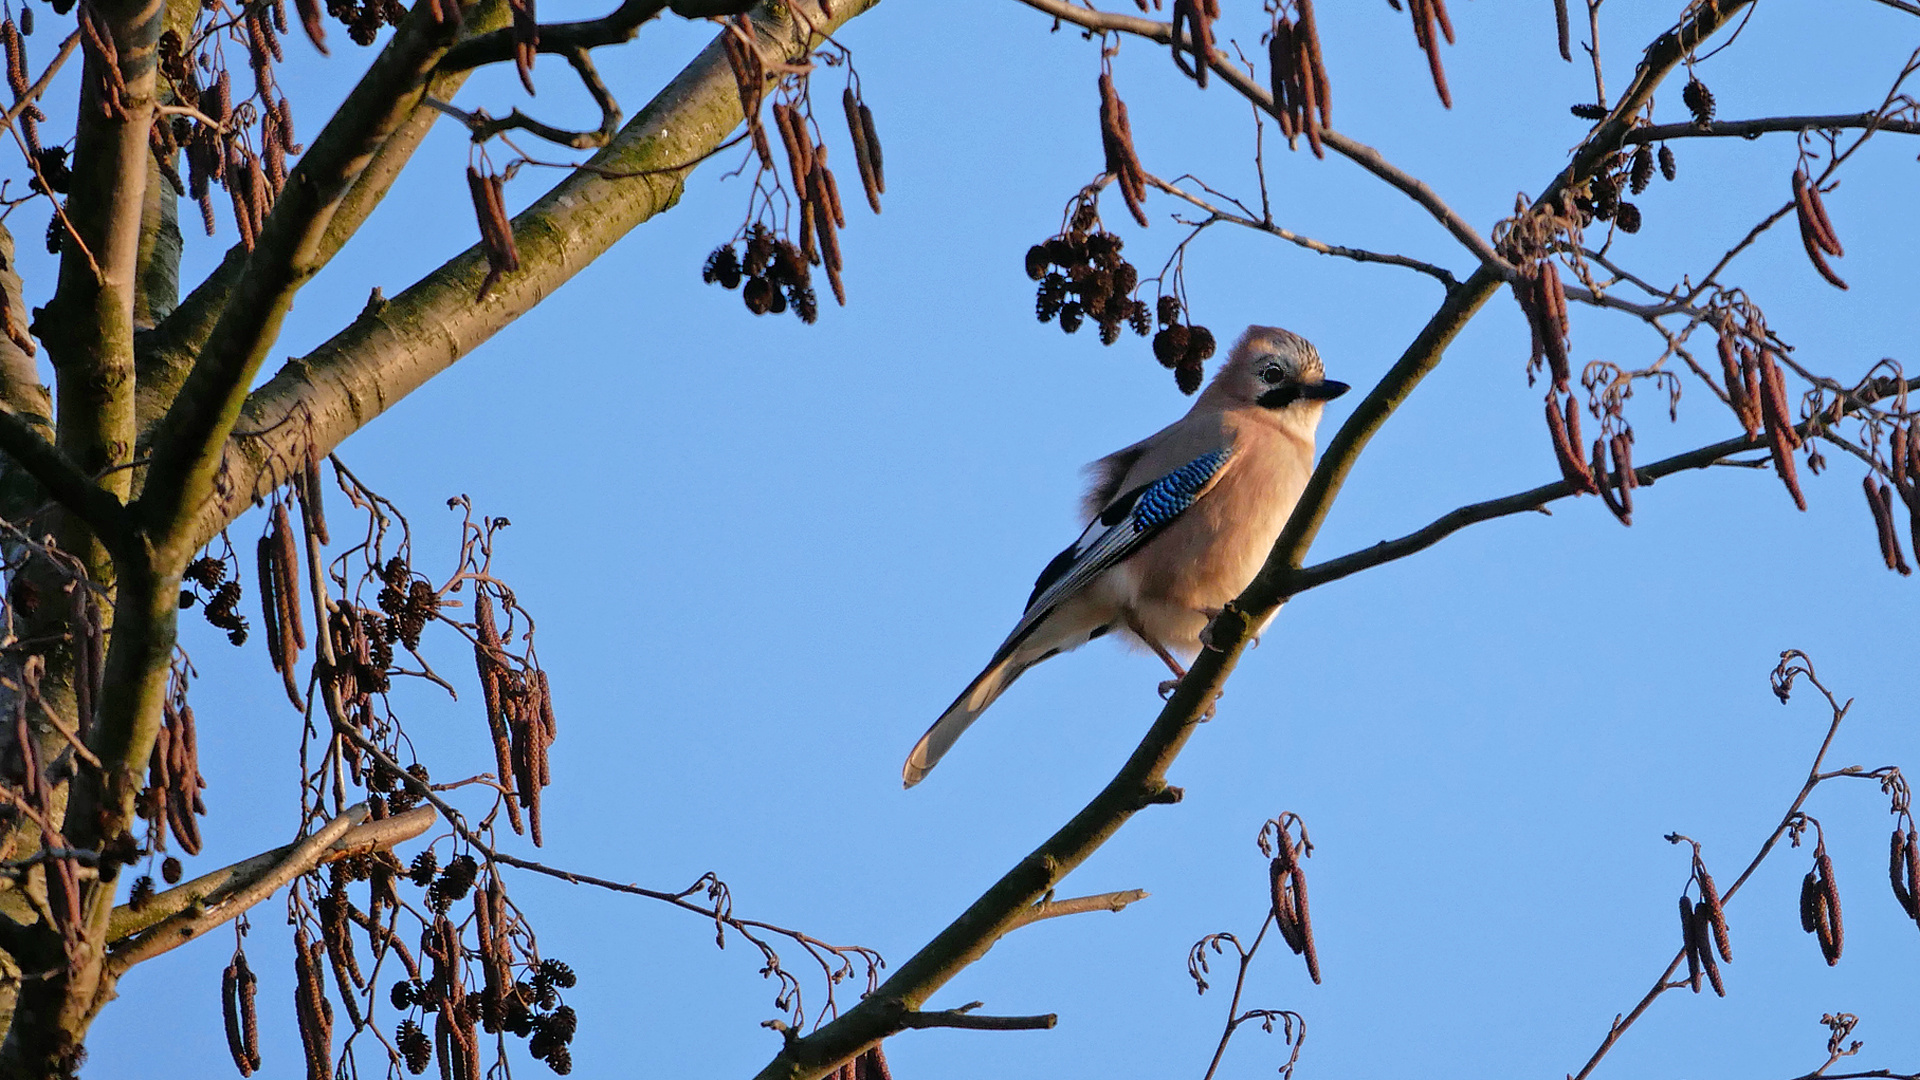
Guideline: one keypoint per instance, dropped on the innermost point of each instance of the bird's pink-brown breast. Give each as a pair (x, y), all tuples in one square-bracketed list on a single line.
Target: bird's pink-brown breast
[(1212, 552)]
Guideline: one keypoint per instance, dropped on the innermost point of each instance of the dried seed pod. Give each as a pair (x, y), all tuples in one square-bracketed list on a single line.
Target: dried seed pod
[(16, 59), (831, 186), (1897, 454), (287, 564), (1198, 41), (1699, 100), (1809, 902), (266, 551), (1816, 233), (1429, 15), (1668, 167), (1641, 172), (1715, 912), (526, 40), (230, 1013), (1304, 921), (311, 22), (1731, 369), (312, 1010), (1606, 487), (1279, 878), (1187, 377), (1880, 503), (1703, 925), (1562, 30), (1690, 939), (1781, 437), (1897, 871), (1282, 76), (873, 149), (796, 144), (1627, 216), (1572, 469), (1623, 471), (1913, 870), (1829, 929), (863, 154), (1587, 111)]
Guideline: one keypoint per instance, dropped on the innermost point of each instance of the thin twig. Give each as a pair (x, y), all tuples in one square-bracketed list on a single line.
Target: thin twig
[(1053, 909), (1443, 275)]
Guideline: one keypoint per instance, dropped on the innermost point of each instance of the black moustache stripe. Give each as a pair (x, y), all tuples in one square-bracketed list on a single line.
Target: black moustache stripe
[(1279, 397)]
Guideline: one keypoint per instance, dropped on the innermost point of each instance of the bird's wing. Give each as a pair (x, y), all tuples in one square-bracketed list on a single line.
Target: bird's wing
[(1109, 473), (1121, 528)]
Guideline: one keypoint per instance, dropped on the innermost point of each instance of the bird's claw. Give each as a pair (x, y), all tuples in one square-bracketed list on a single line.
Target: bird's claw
[(1167, 688)]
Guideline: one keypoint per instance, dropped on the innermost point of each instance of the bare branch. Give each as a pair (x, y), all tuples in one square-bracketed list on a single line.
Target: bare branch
[(192, 908), (21, 439), (1053, 909), (960, 1018), (1441, 274), (1747, 129), (618, 26), (485, 127)]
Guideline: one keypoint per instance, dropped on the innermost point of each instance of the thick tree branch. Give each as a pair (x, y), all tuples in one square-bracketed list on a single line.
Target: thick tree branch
[(186, 446), (88, 324), (167, 353), (192, 908), (1747, 129), (215, 889), (21, 392), (22, 440), (390, 351)]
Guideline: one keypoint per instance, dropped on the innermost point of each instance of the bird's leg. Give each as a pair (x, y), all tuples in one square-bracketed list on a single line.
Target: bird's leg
[(1166, 688)]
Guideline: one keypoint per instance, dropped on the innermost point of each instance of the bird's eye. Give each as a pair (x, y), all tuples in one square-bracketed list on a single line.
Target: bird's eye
[(1273, 375)]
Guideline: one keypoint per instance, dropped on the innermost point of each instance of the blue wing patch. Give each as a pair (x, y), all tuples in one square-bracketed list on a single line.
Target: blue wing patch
[(1170, 496), (1122, 528)]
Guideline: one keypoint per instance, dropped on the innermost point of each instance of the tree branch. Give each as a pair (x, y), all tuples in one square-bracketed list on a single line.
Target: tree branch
[(1747, 129), (620, 25), (192, 908), (1053, 909), (187, 444), (1439, 273), (388, 353), (88, 324), (21, 440), (961, 1018), (485, 127)]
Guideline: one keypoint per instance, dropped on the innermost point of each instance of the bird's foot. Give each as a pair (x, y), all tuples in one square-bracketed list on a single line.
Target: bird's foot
[(1167, 688)]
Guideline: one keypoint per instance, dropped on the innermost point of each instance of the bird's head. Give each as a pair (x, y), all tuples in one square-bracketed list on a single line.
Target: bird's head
[(1275, 369)]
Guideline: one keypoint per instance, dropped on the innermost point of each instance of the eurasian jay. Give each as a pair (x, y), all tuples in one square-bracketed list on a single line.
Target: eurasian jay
[(1178, 524)]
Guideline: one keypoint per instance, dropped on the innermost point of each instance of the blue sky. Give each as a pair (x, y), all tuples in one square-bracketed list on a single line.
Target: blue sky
[(763, 556)]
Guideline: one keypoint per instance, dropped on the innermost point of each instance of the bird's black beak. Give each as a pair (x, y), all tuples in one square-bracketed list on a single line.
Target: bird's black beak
[(1324, 390)]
